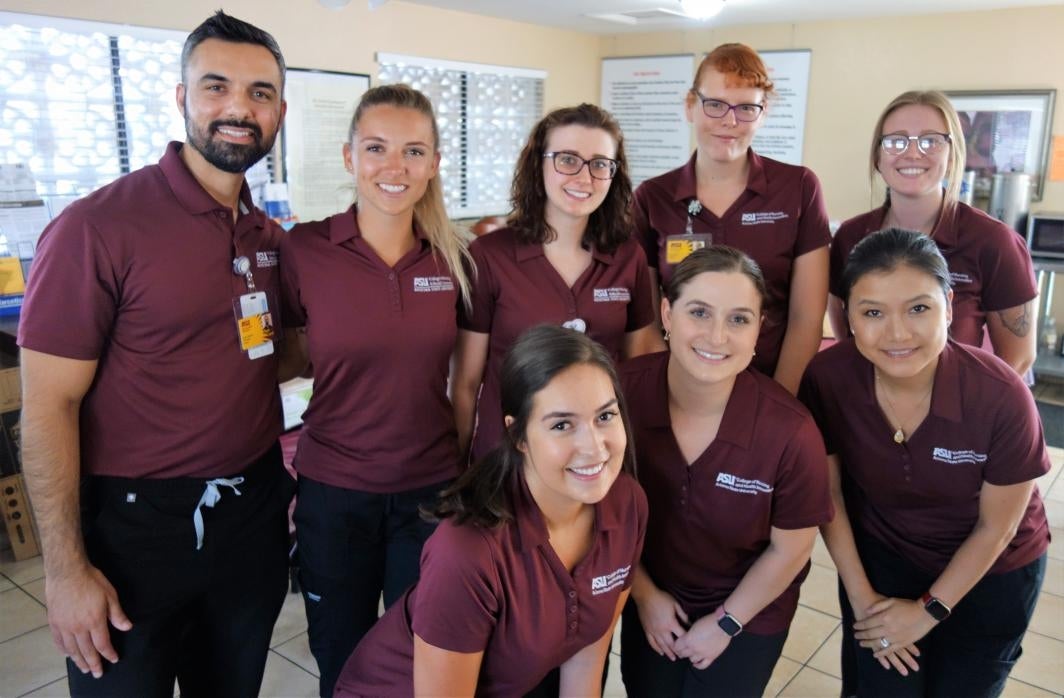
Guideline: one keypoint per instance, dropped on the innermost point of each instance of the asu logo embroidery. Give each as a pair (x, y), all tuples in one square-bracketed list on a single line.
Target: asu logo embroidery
[(945, 455), (609, 582), (742, 485), (616, 294), (763, 217), (432, 284), (265, 259)]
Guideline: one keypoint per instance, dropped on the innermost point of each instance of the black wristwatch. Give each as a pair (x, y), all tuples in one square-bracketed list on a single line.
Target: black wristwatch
[(728, 623), (938, 610)]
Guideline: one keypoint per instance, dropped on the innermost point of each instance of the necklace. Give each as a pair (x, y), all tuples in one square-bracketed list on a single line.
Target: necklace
[(899, 434)]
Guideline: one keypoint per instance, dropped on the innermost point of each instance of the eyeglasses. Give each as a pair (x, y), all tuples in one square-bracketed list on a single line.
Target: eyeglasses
[(718, 109), (571, 163), (926, 143)]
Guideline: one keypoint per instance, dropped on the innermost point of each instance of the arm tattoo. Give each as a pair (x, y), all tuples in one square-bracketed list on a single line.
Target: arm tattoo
[(1020, 324)]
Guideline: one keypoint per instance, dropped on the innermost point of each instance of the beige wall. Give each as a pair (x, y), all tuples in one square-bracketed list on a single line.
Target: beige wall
[(860, 65), (314, 37)]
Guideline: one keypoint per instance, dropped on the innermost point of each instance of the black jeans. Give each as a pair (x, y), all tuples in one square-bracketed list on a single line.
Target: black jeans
[(743, 669), (352, 547), (969, 654), (203, 617)]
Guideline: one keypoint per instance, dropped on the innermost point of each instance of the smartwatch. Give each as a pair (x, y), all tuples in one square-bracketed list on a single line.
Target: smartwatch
[(938, 610), (728, 623)]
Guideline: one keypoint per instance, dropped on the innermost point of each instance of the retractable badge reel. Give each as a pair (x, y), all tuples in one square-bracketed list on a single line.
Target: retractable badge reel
[(677, 247), (254, 322)]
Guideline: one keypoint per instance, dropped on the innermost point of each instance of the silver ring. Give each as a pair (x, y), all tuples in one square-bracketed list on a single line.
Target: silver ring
[(884, 642)]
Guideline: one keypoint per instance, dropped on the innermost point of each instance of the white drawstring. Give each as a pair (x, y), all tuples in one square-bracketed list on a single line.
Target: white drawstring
[(210, 497)]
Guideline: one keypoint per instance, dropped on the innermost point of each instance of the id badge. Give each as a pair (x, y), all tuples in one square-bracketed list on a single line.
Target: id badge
[(254, 324), (677, 247)]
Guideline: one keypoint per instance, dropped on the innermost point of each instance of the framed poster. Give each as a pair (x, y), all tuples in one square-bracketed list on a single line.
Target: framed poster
[(1006, 131), (320, 106), (646, 96), (782, 135)]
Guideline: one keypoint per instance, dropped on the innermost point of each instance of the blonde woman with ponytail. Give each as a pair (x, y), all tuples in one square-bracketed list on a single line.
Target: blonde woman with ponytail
[(377, 289)]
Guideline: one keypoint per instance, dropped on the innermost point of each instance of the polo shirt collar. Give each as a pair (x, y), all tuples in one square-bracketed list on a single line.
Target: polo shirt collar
[(525, 251), (532, 528), (946, 395), (687, 181), (740, 414), (344, 227), (944, 233), (191, 194)]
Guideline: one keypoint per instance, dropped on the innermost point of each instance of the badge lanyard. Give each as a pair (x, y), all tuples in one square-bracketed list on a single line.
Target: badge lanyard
[(677, 247), (254, 322)]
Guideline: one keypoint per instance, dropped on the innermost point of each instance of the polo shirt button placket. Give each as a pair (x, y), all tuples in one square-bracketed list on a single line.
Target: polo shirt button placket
[(393, 287)]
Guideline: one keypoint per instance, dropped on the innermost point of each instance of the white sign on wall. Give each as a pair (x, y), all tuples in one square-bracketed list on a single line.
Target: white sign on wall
[(646, 96), (782, 135), (320, 106)]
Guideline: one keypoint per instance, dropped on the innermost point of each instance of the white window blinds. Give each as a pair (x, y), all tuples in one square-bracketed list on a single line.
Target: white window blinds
[(484, 114), (83, 103)]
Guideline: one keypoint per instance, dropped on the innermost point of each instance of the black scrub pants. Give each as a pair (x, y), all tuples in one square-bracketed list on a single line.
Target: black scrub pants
[(203, 617), (743, 668), (969, 654), (352, 547)]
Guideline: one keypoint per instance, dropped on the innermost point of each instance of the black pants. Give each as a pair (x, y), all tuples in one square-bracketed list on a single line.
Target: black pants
[(969, 654), (352, 547), (743, 669), (201, 616)]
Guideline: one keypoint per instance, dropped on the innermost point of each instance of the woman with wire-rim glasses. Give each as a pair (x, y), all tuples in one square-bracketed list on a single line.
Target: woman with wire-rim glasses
[(918, 149), (728, 194)]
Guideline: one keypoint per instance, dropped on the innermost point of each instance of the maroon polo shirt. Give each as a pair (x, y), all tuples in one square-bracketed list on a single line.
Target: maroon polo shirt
[(504, 592), (380, 340), (989, 265), (921, 497), (139, 277), (778, 218), (711, 520), (517, 288)]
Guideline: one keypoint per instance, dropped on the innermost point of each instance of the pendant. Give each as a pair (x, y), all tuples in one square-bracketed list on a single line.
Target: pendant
[(899, 436)]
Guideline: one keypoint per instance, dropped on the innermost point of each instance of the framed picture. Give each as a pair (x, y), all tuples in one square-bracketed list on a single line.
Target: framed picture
[(1007, 131)]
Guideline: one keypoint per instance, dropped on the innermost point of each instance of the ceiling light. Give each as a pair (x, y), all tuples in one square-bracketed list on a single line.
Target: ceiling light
[(701, 9)]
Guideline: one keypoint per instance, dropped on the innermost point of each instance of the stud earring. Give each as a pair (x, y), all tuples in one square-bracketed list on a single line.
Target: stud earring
[(666, 335)]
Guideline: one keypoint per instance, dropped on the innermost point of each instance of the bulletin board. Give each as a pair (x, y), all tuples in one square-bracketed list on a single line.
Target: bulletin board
[(320, 106)]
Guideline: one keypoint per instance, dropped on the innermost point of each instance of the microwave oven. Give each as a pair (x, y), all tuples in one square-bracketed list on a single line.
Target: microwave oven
[(1045, 235)]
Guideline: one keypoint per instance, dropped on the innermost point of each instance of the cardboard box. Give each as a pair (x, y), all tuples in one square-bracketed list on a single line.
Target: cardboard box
[(10, 412), (18, 519)]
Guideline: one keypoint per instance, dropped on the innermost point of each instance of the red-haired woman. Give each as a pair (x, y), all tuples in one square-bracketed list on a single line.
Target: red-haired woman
[(728, 194)]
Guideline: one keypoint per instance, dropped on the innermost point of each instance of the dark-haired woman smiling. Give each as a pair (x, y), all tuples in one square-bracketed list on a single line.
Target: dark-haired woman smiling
[(933, 452), (735, 475), (532, 562)]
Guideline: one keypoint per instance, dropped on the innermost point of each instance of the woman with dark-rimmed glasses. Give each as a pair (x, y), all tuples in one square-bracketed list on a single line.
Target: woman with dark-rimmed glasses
[(918, 149), (566, 258), (728, 194)]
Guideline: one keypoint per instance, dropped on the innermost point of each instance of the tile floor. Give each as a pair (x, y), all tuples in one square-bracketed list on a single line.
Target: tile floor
[(30, 666)]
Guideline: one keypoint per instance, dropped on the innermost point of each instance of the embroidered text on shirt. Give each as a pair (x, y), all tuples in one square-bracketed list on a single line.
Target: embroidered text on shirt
[(945, 455), (432, 284), (741, 485), (609, 582)]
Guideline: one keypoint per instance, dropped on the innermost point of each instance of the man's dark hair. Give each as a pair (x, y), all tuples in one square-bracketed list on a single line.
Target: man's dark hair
[(228, 28)]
